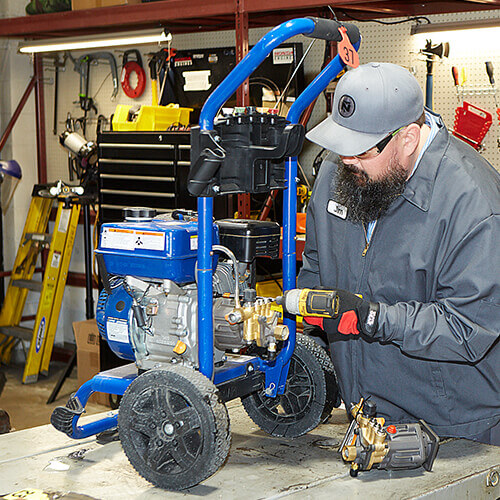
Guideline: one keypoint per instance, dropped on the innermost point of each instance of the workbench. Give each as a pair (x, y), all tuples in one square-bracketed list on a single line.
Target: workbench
[(259, 467)]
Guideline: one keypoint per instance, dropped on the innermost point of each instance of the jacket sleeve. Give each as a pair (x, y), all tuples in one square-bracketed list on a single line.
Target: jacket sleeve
[(464, 322)]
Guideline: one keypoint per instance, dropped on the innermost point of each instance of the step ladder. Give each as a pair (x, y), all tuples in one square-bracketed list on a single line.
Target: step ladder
[(60, 247)]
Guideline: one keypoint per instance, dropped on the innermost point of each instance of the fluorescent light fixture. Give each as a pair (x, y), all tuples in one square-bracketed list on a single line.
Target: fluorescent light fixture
[(94, 42), (455, 26)]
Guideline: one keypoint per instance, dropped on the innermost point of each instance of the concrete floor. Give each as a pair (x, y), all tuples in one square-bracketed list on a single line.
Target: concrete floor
[(26, 404), (258, 467)]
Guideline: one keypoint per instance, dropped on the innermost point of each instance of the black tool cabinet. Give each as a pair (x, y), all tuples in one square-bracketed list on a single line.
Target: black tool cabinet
[(147, 169)]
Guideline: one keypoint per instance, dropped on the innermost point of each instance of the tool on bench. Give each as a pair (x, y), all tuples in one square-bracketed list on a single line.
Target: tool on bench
[(369, 443), (489, 71), (471, 123), (129, 67)]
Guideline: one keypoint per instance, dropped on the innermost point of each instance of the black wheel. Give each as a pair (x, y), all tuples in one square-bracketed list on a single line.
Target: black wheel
[(306, 401), (333, 398), (114, 401), (174, 428)]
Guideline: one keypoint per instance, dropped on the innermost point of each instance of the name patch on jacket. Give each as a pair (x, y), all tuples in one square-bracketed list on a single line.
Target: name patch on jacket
[(336, 209)]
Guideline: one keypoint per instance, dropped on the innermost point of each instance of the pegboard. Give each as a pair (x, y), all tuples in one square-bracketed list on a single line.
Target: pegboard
[(384, 43), (391, 43)]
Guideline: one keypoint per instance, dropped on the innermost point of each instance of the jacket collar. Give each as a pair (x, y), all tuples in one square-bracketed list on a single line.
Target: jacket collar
[(419, 189)]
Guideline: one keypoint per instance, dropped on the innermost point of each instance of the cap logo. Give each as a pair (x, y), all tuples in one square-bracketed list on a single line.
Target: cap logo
[(346, 106)]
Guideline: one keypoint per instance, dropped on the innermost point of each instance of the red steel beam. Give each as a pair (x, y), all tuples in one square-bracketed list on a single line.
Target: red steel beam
[(125, 16), (17, 112), (41, 146), (167, 12), (243, 92)]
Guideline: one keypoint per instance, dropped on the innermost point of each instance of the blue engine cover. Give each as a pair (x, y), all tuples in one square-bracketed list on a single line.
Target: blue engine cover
[(153, 249), (112, 320)]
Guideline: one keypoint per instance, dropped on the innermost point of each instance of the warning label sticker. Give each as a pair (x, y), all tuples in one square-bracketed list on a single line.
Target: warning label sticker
[(193, 242), (56, 259), (117, 330), (129, 239), (150, 240), (64, 220)]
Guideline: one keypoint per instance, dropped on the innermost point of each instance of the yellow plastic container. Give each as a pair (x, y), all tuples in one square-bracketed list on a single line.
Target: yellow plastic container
[(152, 118)]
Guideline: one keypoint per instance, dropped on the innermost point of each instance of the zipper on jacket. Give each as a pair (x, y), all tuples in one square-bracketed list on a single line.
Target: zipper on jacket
[(366, 240)]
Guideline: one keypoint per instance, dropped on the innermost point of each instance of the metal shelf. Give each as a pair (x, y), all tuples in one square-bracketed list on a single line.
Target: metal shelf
[(180, 16)]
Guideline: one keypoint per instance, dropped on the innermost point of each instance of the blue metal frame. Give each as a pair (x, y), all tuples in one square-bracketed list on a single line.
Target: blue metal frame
[(277, 370)]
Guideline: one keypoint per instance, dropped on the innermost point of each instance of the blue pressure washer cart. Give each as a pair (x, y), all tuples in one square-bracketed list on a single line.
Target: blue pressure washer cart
[(178, 298)]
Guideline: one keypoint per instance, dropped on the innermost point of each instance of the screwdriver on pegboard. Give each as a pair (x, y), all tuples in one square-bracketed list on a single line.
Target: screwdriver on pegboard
[(454, 73), (489, 71)]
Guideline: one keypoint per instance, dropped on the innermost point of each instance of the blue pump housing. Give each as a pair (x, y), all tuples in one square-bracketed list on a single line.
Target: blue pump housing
[(154, 249), (112, 316)]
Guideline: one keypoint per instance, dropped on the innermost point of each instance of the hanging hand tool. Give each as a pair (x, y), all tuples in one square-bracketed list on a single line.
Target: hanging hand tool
[(471, 122), (156, 63), (82, 66), (154, 78), (489, 71), (430, 51), (58, 65), (454, 74), (130, 67)]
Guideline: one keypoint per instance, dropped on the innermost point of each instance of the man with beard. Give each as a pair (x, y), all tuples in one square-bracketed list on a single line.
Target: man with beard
[(404, 222)]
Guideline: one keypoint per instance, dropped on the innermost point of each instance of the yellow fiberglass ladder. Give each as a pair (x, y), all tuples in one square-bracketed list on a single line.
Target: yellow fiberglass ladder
[(60, 247)]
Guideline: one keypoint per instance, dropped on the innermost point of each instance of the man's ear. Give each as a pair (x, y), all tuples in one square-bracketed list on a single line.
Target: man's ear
[(411, 139)]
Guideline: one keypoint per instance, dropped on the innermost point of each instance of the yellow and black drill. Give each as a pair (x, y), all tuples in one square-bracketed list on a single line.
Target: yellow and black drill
[(337, 310)]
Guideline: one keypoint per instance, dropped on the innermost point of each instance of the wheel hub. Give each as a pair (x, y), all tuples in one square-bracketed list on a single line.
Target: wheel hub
[(168, 428)]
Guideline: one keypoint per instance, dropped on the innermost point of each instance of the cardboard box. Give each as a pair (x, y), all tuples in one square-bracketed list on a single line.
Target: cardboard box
[(92, 4), (88, 355)]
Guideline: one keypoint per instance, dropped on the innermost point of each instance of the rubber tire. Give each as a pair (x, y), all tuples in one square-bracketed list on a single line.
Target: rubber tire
[(160, 397), (276, 416), (333, 398)]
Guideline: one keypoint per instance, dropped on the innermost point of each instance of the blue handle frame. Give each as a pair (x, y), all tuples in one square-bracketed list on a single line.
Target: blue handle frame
[(274, 370)]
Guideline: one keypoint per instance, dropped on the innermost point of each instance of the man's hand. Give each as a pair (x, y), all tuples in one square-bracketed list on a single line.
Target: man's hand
[(353, 315)]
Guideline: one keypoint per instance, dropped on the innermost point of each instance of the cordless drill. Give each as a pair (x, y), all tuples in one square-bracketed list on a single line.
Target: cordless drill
[(309, 302), (339, 310)]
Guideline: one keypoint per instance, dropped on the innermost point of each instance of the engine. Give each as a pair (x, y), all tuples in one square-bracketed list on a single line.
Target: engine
[(148, 309)]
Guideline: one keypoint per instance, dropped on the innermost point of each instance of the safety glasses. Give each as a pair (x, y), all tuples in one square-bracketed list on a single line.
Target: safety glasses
[(378, 148)]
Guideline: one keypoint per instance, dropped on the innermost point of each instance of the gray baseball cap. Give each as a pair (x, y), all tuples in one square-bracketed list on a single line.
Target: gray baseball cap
[(370, 102)]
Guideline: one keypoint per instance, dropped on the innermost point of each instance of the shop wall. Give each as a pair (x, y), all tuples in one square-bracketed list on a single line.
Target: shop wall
[(385, 43)]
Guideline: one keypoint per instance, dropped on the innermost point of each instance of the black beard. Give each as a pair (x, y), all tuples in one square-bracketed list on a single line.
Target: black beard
[(367, 200)]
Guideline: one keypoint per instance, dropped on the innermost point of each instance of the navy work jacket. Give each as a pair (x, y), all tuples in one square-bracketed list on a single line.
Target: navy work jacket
[(433, 263)]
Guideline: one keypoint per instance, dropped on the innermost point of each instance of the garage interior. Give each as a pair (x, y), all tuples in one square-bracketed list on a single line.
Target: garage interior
[(47, 96)]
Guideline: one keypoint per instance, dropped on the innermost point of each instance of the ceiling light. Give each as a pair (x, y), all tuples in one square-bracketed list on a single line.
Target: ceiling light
[(94, 42), (455, 26)]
